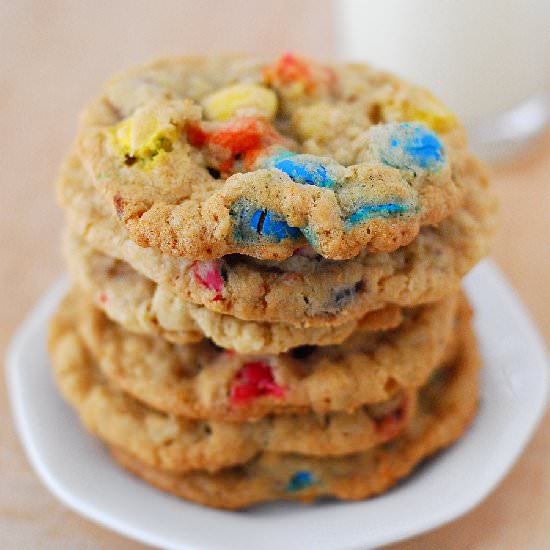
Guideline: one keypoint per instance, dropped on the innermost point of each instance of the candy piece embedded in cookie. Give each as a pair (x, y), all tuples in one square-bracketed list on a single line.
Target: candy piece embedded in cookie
[(204, 157)]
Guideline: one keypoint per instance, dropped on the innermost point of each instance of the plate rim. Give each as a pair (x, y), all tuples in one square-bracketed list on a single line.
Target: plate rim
[(41, 311)]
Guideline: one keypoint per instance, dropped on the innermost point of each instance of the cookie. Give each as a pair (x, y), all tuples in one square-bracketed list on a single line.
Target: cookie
[(203, 381), (179, 445), (204, 157), (446, 408), (142, 306), (305, 290)]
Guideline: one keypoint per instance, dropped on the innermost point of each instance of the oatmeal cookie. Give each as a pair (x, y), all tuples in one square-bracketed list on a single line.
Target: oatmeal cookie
[(203, 381), (305, 290), (179, 444), (142, 306), (446, 408), (208, 156)]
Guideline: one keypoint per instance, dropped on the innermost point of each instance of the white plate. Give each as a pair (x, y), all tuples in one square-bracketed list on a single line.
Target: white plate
[(78, 470)]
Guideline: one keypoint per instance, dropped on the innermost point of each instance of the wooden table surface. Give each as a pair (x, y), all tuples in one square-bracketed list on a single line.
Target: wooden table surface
[(53, 57)]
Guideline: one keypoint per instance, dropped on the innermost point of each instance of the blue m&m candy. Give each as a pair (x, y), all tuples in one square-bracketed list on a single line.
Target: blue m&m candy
[(305, 169), (300, 480), (370, 211), (252, 224), (408, 146), (272, 226)]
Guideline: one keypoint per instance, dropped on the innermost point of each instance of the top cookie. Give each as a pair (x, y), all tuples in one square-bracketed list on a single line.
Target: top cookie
[(203, 157)]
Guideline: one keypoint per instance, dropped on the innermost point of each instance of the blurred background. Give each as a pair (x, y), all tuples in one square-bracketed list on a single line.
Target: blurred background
[(488, 59)]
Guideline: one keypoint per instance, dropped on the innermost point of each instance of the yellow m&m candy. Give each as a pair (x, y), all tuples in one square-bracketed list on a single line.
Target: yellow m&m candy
[(143, 136), (419, 105), (240, 99), (431, 112)]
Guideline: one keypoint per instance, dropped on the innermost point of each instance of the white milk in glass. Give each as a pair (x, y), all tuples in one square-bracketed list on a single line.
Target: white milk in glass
[(487, 59)]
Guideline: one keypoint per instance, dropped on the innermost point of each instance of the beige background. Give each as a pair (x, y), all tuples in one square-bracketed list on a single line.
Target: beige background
[(53, 57)]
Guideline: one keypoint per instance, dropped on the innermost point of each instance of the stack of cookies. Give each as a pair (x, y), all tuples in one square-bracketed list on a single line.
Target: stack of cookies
[(266, 262)]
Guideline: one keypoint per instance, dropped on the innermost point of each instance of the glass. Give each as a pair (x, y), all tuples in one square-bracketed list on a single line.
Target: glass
[(487, 60)]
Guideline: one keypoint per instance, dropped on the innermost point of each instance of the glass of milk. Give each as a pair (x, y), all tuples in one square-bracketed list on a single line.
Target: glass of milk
[(488, 60)]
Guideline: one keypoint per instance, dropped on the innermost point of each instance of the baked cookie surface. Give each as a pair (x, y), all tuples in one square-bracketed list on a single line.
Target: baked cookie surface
[(142, 306), (445, 409), (179, 444), (305, 290), (203, 381), (204, 157)]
